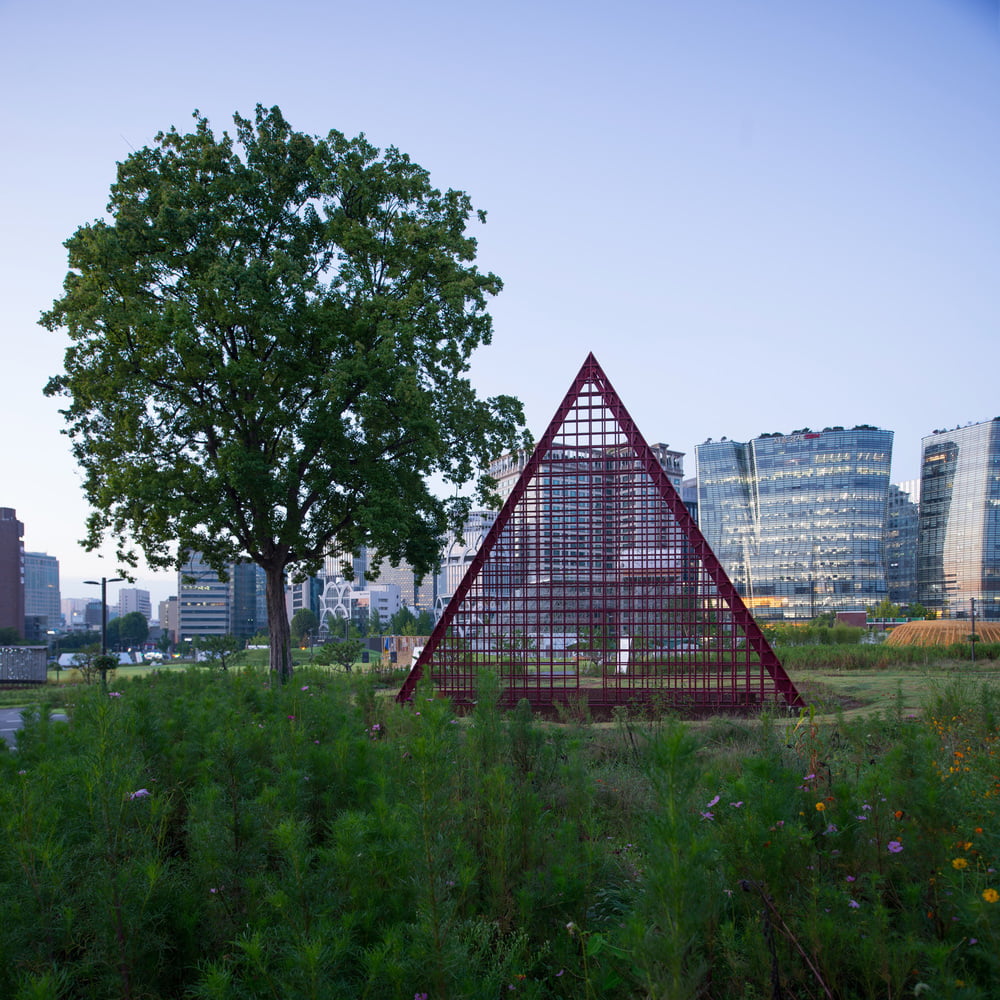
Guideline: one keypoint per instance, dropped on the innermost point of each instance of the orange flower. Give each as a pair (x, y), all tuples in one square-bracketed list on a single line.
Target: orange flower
[(898, 814), (991, 895), (959, 863), (820, 806)]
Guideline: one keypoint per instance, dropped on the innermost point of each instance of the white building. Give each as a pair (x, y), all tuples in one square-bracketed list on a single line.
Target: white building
[(383, 601), (131, 599)]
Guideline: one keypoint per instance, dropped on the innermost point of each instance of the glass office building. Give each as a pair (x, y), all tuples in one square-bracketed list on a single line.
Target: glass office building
[(797, 520), (901, 532), (41, 589), (958, 556)]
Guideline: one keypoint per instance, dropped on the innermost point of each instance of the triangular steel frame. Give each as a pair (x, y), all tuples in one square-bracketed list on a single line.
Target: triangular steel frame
[(594, 586)]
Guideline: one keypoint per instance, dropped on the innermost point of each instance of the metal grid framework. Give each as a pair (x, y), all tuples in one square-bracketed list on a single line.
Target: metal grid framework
[(594, 585)]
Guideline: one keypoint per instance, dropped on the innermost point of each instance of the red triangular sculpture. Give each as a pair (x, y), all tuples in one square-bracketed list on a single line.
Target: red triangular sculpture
[(595, 587)]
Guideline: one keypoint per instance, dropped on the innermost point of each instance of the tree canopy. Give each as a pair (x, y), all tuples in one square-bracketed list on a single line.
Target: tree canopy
[(269, 340), (304, 623)]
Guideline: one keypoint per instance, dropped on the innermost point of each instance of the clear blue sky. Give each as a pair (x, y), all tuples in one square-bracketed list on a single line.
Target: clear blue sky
[(759, 216)]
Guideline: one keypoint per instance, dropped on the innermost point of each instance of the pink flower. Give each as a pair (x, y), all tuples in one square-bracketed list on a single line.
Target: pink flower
[(894, 846), (737, 805), (141, 793), (713, 802), (851, 878), (854, 904), (708, 815)]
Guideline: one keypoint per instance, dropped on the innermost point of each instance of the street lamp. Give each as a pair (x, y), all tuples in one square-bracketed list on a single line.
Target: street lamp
[(103, 584)]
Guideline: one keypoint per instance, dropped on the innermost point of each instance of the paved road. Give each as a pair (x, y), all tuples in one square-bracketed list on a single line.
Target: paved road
[(10, 722)]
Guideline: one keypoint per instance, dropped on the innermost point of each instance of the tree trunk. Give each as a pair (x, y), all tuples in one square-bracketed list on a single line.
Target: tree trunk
[(277, 623)]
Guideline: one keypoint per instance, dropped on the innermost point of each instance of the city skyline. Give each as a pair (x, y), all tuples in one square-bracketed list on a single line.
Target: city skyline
[(757, 219), (161, 586)]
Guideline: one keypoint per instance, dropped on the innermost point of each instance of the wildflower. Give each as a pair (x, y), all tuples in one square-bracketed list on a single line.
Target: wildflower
[(708, 815), (851, 878), (862, 817), (571, 927), (213, 891), (419, 996), (736, 805), (866, 807), (305, 687), (831, 828), (292, 718), (141, 793), (854, 904), (894, 846), (991, 895), (114, 694), (809, 777), (820, 806), (712, 803), (559, 973), (959, 863)]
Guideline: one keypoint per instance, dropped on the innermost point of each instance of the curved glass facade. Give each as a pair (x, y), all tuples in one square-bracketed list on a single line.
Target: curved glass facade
[(797, 520), (958, 558)]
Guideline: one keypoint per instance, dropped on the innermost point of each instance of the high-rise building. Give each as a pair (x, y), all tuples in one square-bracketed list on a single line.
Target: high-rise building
[(168, 617), (247, 600), (458, 553), (208, 605), (901, 521), (11, 571), (958, 556), (203, 601), (797, 520), (41, 589), (74, 611), (131, 599)]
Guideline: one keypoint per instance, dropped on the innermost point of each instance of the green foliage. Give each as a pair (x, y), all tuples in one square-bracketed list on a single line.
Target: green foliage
[(103, 664), (269, 336), (885, 609), (403, 622), (71, 642), (304, 623), (188, 834), (343, 653), (817, 632), (10, 636), (220, 650), (133, 629)]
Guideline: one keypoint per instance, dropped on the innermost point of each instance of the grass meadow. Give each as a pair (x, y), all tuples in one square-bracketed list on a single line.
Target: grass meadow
[(206, 835)]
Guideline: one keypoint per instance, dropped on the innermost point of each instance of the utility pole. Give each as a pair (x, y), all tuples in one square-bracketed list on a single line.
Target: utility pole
[(972, 637)]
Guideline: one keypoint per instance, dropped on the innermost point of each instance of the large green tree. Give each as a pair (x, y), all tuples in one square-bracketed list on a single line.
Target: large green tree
[(269, 340)]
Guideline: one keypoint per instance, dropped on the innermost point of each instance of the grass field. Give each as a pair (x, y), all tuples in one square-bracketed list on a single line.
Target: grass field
[(201, 836)]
